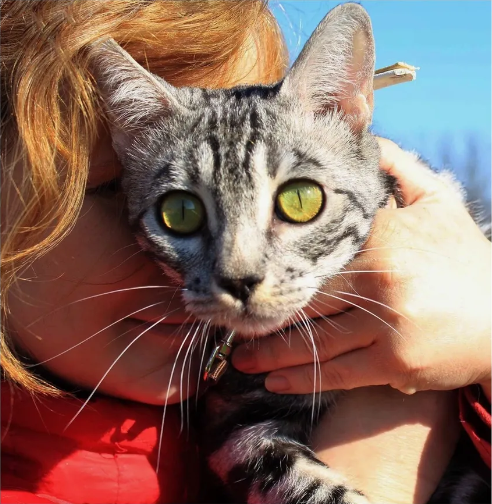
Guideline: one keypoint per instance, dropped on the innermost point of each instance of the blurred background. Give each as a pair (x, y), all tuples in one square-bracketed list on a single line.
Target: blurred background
[(445, 114)]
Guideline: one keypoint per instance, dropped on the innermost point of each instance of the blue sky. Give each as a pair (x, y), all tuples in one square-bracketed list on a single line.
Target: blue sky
[(450, 101)]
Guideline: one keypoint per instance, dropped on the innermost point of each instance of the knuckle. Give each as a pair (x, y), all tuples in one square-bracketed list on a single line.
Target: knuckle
[(402, 306), (333, 377), (409, 370), (274, 358), (307, 379), (407, 311), (325, 346), (392, 269)]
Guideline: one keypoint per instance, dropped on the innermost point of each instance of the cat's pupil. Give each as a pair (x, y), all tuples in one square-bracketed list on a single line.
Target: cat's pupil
[(182, 212)]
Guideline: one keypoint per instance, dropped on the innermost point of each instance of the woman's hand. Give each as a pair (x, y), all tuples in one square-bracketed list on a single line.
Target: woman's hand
[(418, 297)]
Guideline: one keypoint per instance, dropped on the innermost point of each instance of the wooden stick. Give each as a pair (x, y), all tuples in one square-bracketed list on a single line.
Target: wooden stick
[(394, 74)]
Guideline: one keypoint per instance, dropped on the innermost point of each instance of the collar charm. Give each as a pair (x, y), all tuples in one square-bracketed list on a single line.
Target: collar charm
[(218, 363)]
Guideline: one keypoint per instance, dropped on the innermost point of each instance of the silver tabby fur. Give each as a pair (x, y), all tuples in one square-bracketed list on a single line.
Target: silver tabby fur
[(234, 149)]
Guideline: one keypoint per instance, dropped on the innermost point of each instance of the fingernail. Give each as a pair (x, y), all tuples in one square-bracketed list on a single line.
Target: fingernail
[(244, 360), (277, 383)]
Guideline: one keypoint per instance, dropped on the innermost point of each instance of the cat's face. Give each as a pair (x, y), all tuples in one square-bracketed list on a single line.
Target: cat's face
[(243, 260), (252, 197)]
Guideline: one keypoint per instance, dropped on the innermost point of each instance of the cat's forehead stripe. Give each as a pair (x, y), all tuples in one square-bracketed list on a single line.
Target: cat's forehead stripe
[(233, 158), (213, 140), (254, 137)]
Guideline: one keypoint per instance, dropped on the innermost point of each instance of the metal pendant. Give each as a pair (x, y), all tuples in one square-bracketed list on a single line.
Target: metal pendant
[(218, 363)]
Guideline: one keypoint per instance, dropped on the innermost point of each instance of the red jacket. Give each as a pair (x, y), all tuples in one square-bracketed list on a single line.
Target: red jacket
[(108, 455), (475, 418)]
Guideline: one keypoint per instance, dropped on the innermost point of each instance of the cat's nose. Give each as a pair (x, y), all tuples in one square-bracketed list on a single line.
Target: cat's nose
[(240, 288)]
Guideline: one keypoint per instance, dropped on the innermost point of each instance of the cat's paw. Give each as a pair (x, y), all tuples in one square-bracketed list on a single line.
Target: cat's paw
[(308, 482)]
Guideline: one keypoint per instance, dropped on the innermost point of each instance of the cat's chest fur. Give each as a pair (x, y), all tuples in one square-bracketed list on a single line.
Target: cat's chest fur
[(248, 434), (244, 395)]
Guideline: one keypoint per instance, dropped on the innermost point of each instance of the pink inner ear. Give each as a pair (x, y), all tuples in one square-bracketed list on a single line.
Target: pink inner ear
[(358, 102), (358, 110), (335, 70)]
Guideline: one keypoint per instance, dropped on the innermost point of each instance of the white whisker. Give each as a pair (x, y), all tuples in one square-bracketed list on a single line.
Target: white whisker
[(189, 352), (433, 252), (111, 367), (188, 401), (338, 312), (281, 333), (291, 322), (95, 334), (173, 369), (139, 251), (99, 295), (304, 319), (181, 402), (367, 311), (347, 272), (350, 272), (176, 332), (328, 320), (317, 366), (379, 303), (203, 338)]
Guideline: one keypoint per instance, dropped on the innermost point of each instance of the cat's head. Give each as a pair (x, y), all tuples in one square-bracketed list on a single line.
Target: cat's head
[(252, 196)]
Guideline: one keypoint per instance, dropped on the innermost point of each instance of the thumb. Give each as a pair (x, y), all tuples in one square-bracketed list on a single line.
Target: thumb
[(416, 180)]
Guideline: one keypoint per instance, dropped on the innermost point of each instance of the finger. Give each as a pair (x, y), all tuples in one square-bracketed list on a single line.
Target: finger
[(320, 339), (415, 179), (351, 370)]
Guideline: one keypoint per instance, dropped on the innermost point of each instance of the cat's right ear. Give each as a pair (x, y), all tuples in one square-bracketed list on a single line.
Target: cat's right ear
[(335, 69), (133, 97)]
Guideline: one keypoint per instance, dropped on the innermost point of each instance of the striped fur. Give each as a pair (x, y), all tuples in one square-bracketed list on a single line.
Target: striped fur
[(246, 269)]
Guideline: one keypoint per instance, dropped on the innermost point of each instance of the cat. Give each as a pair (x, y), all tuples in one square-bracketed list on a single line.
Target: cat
[(252, 198)]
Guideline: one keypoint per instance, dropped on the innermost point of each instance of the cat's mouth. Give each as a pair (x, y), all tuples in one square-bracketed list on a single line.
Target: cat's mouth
[(245, 323), (252, 326), (262, 313)]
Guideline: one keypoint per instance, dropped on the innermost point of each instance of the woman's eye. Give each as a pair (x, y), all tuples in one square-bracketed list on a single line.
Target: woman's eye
[(182, 212), (299, 201), (111, 186)]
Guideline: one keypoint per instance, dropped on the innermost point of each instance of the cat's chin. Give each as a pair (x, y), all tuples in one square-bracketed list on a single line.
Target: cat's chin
[(246, 323), (249, 327)]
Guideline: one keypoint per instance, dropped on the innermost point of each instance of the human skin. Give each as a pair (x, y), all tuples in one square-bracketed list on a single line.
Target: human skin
[(392, 446)]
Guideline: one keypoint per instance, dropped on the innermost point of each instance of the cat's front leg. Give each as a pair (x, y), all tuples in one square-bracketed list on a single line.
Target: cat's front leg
[(260, 465)]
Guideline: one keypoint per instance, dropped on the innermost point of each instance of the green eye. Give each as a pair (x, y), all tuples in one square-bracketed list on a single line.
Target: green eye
[(300, 201), (182, 212)]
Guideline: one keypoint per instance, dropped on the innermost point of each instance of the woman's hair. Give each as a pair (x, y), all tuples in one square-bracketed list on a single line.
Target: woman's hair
[(50, 111)]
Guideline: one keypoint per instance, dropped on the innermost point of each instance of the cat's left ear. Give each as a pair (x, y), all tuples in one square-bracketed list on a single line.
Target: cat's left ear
[(335, 69), (133, 97)]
